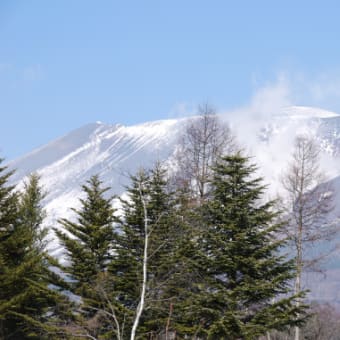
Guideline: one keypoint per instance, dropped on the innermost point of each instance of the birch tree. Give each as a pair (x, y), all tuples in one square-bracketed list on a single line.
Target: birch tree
[(141, 303), (204, 139), (144, 268), (309, 202)]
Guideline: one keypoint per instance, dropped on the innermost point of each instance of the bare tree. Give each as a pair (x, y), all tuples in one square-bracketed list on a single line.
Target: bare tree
[(323, 324), (204, 139), (309, 202)]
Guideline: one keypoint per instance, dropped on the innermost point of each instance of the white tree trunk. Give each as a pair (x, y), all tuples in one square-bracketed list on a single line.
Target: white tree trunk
[(145, 267), (299, 264)]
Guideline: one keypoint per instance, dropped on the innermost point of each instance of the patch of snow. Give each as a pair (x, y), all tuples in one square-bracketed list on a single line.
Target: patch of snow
[(116, 151)]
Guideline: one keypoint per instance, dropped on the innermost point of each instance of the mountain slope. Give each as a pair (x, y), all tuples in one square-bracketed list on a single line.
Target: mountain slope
[(114, 151)]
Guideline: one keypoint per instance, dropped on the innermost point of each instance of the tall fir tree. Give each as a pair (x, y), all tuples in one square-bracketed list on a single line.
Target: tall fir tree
[(127, 266), (28, 307), (89, 244), (9, 217), (246, 288), (166, 229), (164, 236)]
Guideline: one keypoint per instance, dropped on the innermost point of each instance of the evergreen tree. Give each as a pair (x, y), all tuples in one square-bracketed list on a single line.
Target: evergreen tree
[(164, 269), (164, 227), (127, 266), (89, 240), (89, 244), (8, 222), (27, 305), (186, 282), (246, 286)]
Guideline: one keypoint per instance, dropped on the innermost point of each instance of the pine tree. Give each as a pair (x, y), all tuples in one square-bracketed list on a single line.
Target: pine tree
[(127, 266), (152, 189), (186, 281), (164, 269), (246, 286), (89, 244), (27, 304), (8, 222), (90, 247)]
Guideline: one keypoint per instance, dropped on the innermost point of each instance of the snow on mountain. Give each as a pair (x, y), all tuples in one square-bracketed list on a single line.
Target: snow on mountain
[(115, 151), (112, 151), (302, 112)]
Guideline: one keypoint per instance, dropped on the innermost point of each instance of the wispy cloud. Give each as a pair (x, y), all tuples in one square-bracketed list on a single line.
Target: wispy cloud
[(324, 89), (286, 88), (271, 99)]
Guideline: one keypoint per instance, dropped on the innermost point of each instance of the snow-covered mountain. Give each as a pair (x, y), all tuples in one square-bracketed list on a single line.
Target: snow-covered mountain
[(112, 151), (115, 151)]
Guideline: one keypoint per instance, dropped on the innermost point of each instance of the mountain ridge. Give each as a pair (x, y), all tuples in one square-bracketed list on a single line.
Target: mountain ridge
[(113, 151)]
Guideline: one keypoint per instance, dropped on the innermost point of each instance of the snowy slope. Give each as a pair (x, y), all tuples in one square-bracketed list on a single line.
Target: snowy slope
[(115, 151), (270, 140), (112, 151)]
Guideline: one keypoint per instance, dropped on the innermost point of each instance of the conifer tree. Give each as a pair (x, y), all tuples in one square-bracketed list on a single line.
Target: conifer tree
[(245, 291), (127, 266), (89, 247), (27, 304), (8, 222), (166, 228), (150, 189)]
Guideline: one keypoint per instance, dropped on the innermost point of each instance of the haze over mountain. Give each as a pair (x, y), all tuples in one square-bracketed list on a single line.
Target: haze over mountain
[(115, 151)]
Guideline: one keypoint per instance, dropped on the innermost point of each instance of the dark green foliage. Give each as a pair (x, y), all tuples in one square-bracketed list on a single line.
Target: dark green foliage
[(246, 280), (164, 264), (127, 266), (89, 243), (27, 305), (90, 247), (215, 271), (165, 231)]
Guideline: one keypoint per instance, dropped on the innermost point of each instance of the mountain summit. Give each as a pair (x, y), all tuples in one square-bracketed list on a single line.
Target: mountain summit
[(115, 151)]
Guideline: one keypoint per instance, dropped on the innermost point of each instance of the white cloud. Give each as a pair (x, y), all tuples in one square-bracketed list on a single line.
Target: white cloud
[(271, 97), (270, 100), (325, 88)]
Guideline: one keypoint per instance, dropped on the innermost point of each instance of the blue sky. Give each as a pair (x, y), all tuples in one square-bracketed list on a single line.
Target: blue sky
[(66, 63)]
